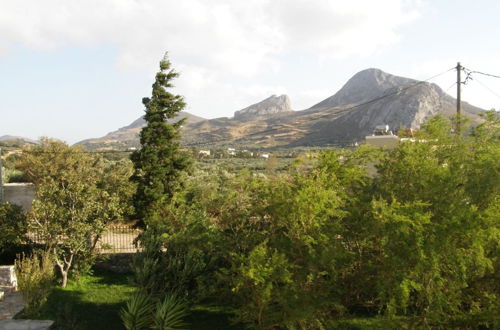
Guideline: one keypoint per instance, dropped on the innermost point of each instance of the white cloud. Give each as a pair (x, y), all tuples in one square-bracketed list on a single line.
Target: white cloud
[(241, 37), (221, 47)]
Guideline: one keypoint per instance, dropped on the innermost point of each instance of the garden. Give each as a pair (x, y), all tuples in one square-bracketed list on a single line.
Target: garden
[(367, 238)]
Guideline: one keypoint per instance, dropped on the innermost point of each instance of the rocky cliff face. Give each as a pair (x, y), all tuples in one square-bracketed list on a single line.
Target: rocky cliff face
[(364, 86), (373, 97), (272, 105)]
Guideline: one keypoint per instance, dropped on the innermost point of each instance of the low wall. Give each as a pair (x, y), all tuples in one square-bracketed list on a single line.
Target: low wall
[(21, 194), (8, 276)]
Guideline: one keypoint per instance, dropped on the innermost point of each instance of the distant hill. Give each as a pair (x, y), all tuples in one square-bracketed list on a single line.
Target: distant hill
[(15, 141), (370, 98), (128, 136)]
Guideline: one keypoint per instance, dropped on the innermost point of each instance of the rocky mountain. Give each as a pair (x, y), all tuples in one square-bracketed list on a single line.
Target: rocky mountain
[(272, 105), (373, 97), (370, 98), (363, 86)]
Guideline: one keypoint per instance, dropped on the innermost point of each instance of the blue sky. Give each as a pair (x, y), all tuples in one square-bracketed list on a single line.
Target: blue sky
[(74, 69)]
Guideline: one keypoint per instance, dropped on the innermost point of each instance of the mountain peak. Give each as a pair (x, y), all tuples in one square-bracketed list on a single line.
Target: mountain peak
[(364, 86), (271, 105)]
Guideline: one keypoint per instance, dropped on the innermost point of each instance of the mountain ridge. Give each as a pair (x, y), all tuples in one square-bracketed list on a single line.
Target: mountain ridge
[(371, 97)]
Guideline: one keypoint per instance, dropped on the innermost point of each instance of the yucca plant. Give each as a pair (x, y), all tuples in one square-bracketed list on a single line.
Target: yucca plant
[(142, 313), (138, 314), (169, 314)]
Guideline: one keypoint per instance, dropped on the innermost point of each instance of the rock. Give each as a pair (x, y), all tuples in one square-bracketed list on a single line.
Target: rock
[(272, 105)]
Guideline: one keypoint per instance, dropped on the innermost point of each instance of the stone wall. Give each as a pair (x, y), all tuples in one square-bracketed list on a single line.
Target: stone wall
[(21, 194)]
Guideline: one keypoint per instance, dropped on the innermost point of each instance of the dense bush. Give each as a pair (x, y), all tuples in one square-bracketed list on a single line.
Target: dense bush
[(417, 242)]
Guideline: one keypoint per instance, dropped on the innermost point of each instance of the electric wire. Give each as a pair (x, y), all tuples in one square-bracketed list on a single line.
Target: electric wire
[(486, 74), (452, 85), (487, 88)]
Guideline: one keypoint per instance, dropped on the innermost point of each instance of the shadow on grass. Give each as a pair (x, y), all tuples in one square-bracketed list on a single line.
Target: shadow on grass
[(203, 317), (95, 302)]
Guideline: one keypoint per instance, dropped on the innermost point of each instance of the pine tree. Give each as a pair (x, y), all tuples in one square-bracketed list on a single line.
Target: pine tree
[(160, 163)]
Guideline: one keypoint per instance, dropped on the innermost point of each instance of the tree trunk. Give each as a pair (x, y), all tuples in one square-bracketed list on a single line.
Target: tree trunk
[(64, 275), (64, 267)]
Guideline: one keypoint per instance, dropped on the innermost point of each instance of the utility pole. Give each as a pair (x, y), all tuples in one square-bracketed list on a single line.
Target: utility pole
[(459, 97)]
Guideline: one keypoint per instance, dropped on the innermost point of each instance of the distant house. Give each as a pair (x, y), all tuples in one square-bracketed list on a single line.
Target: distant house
[(204, 152), (231, 151), (382, 137), (247, 153), (266, 156)]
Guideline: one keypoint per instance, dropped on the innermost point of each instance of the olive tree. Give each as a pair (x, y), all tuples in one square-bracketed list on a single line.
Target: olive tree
[(71, 211)]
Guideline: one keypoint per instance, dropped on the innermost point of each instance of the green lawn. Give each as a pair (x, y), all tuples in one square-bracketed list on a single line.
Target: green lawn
[(91, 303), (94, 303)]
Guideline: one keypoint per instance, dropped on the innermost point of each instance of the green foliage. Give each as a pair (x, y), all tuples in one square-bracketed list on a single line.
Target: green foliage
[(35, 275), (13, 226), (163, 272), (169, 314), (258, 280), (137, 314), (159, 164), (416, 244), (116, 182), (76, 199), (141, 312), (437, 224)]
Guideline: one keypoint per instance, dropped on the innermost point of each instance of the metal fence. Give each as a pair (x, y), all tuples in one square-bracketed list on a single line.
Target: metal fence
[(119, 239), (116, 239)]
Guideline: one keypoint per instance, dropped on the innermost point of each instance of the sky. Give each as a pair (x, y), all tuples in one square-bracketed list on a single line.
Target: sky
[(78, 69)]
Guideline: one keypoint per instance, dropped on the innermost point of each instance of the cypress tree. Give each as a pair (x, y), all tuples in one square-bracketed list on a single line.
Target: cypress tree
[(159, 163)]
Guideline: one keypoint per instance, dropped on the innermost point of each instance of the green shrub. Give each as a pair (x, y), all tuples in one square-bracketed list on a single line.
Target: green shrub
[(141, 312), (169, 314), (138, 312), (35, 276), (13, 226)]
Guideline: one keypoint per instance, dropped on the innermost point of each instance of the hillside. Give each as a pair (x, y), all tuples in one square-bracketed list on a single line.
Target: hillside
[(128, 136)]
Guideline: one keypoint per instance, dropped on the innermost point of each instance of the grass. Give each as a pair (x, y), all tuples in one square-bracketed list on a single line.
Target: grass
[(94, 302), (91, 303)]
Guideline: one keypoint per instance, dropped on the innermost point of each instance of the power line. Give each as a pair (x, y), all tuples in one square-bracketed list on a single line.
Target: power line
[(452, 85), (486, 74), (486, 87)]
